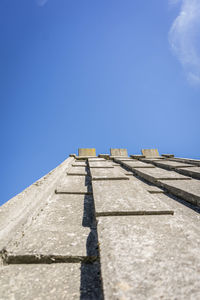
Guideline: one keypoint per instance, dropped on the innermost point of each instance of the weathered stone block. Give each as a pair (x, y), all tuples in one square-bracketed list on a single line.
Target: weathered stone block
[(86, 152), (63, 228), (110, 197), (118, 152), (107, 174), (189, 190), (81, 171), (155, 174), (18, 210), (170, 165), (137, 164), (54, 281), (75, 185), (79, 164), (96, 159), (191, 171), (149, 257), (100, 164), (150, 152)]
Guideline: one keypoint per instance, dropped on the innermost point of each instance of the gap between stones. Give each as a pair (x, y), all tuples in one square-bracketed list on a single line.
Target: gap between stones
[(134, 213)]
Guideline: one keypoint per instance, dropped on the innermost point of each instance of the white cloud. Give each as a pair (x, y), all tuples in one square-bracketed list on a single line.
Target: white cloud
[(41, 2), (184, 38)]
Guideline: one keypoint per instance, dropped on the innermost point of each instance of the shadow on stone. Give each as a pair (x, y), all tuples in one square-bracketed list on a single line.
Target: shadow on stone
[(91, 284)]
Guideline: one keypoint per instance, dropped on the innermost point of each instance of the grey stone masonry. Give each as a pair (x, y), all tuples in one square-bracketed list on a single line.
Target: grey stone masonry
[(175, 183), (118, 152), (136, 164), (126, 197), (191, 171), (96, 159), (150, 152), (147, 186), (74, 185), (100, 164), (81, 171), (155, 174), (20, 210), (149, 257), (107, 174), (62, 228), (151, 160), (195, 162), (189, 190), (170, 165), (96, 228), (55, 281), (79, 164)]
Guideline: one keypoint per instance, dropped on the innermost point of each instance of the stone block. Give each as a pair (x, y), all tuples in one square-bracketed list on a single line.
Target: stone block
[(80, 171), (120, 159), (188, 190), (152, 160), (75, 185), (55, 281), (107, 174), (137, 164), (86, 152), (150, 153), (100, 164), (149, 257), (191, 161), (118, 152), (154, 175), (128, 197), (96, 159), (79, 164), (191, 171), (170, 165), (18, 210), (62, 229)]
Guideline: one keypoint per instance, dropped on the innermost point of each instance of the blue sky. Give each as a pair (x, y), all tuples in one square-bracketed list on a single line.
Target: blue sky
[(109, 73)]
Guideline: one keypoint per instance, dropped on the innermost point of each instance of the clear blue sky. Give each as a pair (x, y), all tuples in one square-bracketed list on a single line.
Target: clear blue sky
[(88, 73)]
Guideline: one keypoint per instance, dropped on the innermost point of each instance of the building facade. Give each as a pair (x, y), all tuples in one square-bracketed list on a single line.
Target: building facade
[(111, 226)]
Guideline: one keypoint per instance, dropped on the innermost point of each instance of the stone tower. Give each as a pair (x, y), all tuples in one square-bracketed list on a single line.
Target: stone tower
[(107, 227)]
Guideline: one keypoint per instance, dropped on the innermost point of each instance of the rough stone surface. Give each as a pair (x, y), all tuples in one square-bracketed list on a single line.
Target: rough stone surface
[(151, 160), (187, 189), (55, 281), (152, 189), (77, 171), (118, 152), (137, 164), (79, 164), (86, 152), (63, 228), (128, 196), (100, 164), (170, 165), (186, 160), (119, 159), (155, 174), (20, 209), (150, 152), (191, 171), (107, 174), (149, 257), (96, 159), (75, 185), (184, 211)]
